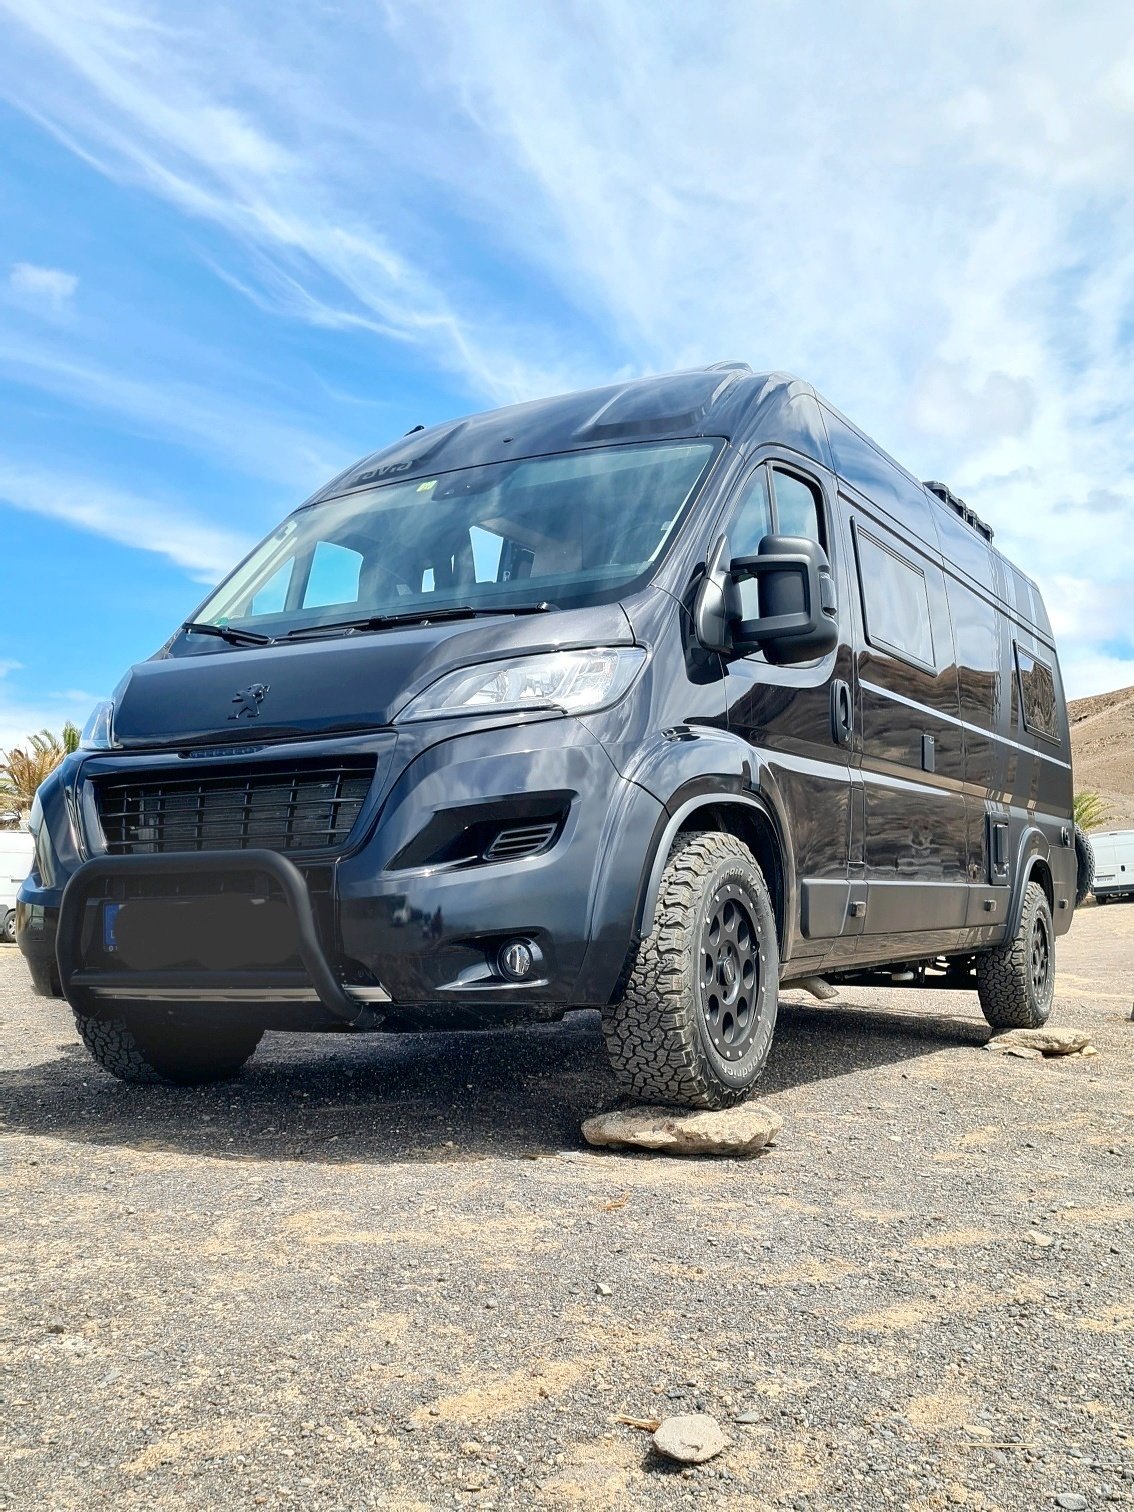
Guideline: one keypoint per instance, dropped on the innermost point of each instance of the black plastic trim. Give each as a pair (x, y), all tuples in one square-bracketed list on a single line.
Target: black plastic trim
[(282, 871)]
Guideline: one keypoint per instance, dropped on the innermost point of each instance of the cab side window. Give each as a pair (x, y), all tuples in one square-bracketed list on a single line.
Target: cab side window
[(798, 511), (750, 524)]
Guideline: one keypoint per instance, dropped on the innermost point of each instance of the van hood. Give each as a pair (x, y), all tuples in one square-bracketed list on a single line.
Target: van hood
[(357, 682)]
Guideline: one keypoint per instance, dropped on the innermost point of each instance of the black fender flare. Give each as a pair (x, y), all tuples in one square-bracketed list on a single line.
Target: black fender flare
[(1033, 851), (705, 797), (693, 767)]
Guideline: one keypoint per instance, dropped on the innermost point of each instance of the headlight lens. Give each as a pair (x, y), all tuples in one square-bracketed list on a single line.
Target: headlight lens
[(44, 862), (577, 682), (96, 734)]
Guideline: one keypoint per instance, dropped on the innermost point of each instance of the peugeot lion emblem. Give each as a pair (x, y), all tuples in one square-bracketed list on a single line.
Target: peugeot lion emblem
[(248, 701)]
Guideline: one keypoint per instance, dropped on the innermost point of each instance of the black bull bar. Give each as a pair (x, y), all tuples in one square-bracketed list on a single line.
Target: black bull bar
[(337, 999)]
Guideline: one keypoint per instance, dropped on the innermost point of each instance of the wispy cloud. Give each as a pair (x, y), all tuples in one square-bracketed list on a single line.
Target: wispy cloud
[(204, 549), (50, 289)]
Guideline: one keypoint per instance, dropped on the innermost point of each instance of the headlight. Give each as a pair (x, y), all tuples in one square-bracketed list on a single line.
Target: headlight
[(577, 682), (96, 734), (44, 862)]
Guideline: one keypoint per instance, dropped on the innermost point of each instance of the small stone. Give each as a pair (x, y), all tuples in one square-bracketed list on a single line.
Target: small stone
[(743, 1130), (602, 1289), (978, 1430), (690, 1439), (1071, 1501), (1041, 1241), (1050, 1040), (492, 1304), (749, 1417)]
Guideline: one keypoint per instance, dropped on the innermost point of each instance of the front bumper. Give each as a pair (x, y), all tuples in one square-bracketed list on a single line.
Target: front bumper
[(379, 937)]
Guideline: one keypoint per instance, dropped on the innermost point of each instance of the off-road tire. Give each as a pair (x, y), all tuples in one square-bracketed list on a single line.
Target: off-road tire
[(152, 1051), (8, 928), (660, 1035), (1016, 990), (1084, 865)]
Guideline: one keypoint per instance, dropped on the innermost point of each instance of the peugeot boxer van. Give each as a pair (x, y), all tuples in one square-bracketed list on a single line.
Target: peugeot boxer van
[(652, 699)]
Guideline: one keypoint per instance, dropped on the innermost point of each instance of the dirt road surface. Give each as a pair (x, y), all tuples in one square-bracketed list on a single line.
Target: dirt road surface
[(387, 1272)]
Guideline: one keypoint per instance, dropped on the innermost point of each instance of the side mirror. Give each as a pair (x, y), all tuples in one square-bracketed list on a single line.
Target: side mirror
[(796, 595)]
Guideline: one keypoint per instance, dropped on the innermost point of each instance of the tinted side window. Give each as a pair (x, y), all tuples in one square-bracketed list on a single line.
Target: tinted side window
[(1037, 694), (798, 512), (895, 601)]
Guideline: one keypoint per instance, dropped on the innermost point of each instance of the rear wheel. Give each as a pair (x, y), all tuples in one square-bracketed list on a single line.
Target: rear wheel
[(8, 927), (137, 1049), (694, 1026), (1016, 981)]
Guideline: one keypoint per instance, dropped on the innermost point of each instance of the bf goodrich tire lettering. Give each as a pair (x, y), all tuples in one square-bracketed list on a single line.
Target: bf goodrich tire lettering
[(137, 1051), (1016, 982), (667, 1041)]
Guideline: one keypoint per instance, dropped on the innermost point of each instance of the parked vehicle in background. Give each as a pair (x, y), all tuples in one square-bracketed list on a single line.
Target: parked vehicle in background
[(651, 699), (16, 849), (1114, 864)]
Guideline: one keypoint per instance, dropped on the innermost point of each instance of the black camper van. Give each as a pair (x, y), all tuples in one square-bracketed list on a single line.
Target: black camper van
[(653, 699)]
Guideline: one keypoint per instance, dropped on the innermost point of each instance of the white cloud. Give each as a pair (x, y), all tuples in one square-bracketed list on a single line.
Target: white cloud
[(205, 549), (43, 288)]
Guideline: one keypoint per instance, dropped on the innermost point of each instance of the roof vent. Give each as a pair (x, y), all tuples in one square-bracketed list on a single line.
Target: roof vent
[(970, 516)]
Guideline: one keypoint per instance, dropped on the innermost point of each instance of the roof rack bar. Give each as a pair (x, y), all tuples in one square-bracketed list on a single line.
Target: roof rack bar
[(943, 492)]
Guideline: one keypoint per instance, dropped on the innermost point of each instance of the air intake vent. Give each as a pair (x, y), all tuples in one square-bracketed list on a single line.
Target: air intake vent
[(522, 841), (943, 492), (297, 809)]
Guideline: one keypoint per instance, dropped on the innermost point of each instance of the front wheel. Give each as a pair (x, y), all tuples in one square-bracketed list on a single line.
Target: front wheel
[(138, 1049), (1016, 981), (695, 1024), (8, 927)]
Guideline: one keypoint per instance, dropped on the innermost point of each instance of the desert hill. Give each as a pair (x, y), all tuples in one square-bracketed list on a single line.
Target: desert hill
[(1102, 750)]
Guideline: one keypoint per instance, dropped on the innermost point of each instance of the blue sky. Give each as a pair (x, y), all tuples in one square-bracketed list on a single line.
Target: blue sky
[(241, 245)]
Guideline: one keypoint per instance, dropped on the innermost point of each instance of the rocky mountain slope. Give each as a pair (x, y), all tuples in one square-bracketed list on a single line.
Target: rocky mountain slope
[(1102, 745)]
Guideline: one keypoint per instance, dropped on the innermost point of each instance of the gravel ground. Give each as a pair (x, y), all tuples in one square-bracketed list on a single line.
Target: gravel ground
[(368, 1273)]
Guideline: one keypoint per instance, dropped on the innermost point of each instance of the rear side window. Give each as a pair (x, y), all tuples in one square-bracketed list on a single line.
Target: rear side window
[(1037, 694), (895, 600)]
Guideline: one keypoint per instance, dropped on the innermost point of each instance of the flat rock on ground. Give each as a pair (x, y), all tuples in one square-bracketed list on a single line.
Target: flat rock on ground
[(1052, 1039), (744, 1130), (692, 1438)]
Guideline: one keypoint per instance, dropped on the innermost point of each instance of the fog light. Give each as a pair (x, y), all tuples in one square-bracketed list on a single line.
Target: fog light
[(516, 960)]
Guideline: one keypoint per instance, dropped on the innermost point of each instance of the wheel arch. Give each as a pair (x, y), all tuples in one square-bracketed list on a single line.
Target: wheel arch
[(740, 814)]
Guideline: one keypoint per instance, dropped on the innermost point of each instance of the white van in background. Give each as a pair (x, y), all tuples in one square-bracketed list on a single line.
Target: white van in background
[(1114, 864), (15, 863)]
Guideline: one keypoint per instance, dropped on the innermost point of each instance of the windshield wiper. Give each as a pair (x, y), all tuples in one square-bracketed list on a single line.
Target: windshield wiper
[(415, 617), (229, 633)]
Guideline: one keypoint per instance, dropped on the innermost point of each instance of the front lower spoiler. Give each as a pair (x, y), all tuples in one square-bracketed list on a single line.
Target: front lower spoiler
[(337, 999)]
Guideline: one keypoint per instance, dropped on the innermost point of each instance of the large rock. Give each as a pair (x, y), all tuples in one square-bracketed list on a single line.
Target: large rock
[(1049, 1040), (691, 1439), (743, 1130)]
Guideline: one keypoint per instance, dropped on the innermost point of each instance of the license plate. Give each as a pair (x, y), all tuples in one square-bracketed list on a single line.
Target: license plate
[(1104, 876), (109, 920)]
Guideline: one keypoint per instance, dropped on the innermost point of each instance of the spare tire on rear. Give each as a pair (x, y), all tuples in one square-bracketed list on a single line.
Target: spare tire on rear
[(1084, 864)]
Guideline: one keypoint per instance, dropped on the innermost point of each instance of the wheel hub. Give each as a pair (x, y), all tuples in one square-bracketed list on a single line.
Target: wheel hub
[(1039, 957), (729, 974)]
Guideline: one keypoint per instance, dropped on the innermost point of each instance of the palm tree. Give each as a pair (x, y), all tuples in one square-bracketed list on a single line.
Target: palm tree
[(24, 768), (1091, 811)]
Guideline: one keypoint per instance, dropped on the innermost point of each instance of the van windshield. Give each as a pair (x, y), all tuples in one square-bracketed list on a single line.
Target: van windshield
[(568, 530)]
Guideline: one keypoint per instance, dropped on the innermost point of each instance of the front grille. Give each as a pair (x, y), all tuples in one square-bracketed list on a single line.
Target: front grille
[(298, 809)]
